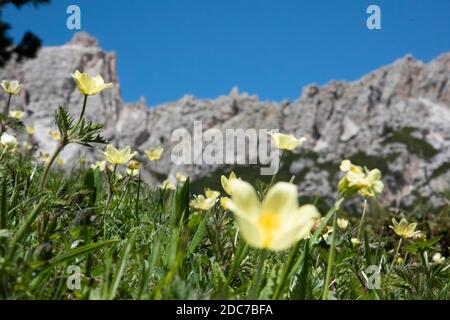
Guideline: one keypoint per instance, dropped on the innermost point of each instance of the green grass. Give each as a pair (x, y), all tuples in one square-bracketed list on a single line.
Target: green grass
[(136, 241)]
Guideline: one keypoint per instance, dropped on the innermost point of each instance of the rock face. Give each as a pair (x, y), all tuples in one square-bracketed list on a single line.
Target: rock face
[(396, 118)]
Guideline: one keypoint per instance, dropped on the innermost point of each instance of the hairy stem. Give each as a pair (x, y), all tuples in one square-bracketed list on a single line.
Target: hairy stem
[(82, 112), (362, 218), (254, 291), (58, 150), (6, 113), (396, 254)]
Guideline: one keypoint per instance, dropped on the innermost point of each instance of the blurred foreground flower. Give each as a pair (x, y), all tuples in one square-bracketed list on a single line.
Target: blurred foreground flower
[(89, 85), (276, 223), (286, 141), (118, 157), (11, 87), (226, 182), (154, 154), (366, 183), (405, 230), (17, 114)]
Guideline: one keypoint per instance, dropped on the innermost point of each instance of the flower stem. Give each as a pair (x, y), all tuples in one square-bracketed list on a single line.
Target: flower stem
[(396, 253), (331, 256), (362, 218), (286, 271), (49, 165), (254, 291), (82, 111), (274, 176), (6, 113), (7, 105)]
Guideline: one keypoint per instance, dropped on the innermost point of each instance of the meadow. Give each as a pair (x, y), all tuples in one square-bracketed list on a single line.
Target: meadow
[(98, 231)]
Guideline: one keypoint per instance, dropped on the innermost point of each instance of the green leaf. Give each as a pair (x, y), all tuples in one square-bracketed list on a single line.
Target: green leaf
[(421, 245), (180, 205), (4, 205), (78, 252), (119, 272), (198, 236)]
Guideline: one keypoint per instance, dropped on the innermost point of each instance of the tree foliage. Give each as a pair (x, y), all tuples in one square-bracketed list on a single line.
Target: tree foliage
[(29, 44)]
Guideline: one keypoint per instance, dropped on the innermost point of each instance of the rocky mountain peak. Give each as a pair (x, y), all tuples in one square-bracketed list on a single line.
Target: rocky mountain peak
[(83, 39)]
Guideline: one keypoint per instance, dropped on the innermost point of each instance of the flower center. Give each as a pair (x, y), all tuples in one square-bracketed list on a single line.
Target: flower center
[(269, 223)]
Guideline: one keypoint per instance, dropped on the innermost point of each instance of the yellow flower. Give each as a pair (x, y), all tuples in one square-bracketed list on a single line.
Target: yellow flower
[(82, 160), (405, 230), (366, 183), (44, 157), (355, 242), (226, 182), (277, 222), (346, 166), (11, 87), (29, 130), (154, 154), (8, 141), (211, 194), (60, 162), (327, 231), (342, 223), (27, 146), (56, 135), (202, 203), (225, 203), (166, 184), (180, 177), (132, 172), (133, 168), (17, 114), (400, 260), (89, 85), (117, 157), (438, 258), (286, 141), (100, 165), (205, 202)]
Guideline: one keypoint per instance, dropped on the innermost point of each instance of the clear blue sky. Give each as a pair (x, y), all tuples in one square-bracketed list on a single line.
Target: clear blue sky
[(273, 48)]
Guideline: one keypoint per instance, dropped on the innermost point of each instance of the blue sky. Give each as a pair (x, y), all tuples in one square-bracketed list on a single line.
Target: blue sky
[(273, 48)]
